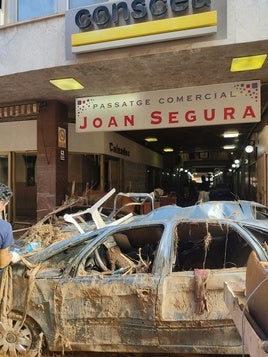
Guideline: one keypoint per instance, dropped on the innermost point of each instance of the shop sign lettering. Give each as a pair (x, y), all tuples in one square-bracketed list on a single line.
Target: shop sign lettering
[(137, 10), (157, 119), (114, 148), (197, 106)]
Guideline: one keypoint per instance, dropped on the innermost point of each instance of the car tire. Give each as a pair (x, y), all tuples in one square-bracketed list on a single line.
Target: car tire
[(19, 338)]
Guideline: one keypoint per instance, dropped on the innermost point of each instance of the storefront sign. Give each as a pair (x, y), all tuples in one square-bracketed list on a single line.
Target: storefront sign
[(88, 18), (228, 103), (62, 140), (115, 148), (135, 22)]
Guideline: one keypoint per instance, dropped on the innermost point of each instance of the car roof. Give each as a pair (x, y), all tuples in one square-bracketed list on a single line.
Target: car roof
[(224, 211), (241, 211), (236, 210)]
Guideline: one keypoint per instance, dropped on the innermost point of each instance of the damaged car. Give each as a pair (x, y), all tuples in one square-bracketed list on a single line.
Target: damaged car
[(153, 285)]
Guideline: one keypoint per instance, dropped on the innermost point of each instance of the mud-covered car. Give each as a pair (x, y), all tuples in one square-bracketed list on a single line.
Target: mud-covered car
[(239, 210), (154, 285)]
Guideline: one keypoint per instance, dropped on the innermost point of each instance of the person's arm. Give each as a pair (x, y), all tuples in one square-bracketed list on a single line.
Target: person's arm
[(5, 257)]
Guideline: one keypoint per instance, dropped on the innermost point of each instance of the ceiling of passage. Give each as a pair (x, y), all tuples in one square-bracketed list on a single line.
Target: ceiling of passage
[(147, 68)]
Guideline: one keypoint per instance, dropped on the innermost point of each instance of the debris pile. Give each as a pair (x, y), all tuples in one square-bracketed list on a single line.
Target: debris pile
[(45, 234), (49, 229)]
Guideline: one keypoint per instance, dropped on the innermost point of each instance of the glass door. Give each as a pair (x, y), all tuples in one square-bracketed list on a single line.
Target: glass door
[(25, 189), (5, 177)]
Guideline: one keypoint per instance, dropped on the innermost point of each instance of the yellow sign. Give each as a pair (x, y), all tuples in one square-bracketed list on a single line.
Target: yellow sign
[(157, 27)]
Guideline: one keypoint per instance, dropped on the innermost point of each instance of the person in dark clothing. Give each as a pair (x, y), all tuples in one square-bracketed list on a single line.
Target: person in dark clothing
[(204, 185), (203, 190), (221, 192)]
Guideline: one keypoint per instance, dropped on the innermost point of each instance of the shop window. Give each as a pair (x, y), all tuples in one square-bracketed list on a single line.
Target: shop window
[(30, 169), (21, 10), (28, 9), (25, 188), (1, 12), (4, 169), (5, 179)]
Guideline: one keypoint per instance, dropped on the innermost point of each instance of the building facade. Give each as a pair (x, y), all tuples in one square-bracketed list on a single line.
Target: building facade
[(43, 154)]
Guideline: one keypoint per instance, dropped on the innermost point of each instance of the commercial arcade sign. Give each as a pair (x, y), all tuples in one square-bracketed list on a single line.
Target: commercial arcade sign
[(228, 103)]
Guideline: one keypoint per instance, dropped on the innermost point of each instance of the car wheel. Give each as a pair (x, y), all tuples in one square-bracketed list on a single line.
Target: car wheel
[(18, 338)]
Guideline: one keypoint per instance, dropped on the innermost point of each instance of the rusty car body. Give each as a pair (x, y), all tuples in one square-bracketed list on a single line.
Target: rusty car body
[(159, 290)]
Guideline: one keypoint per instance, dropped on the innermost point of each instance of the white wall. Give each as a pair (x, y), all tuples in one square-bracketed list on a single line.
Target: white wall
[(247, 20), (41, 44), (137, 153), (18, 136), (22, 136), (42, 41), (85, 142), (99, 143)]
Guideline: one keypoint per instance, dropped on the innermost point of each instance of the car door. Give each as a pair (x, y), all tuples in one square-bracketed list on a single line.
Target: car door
[(192, 315), (99, 311)]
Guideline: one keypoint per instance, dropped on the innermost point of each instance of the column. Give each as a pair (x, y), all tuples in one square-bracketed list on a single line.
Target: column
[(52, 157)]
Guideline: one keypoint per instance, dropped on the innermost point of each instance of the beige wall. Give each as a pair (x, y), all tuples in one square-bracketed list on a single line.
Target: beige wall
[(99, 143), (262, 141), (18, 136)]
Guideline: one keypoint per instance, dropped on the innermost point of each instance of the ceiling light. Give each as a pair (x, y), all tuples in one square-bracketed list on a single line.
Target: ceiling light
[(168, 149), (151, 139), (247, 63), (66, 84), (249, 149), (229, 147), (230, 134)]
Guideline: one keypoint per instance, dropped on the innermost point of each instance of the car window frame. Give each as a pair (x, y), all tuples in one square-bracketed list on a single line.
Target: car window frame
[(236, 226), (71, 270)]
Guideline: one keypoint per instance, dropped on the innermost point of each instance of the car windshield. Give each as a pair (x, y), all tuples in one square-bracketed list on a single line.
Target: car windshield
[(56, 264)]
